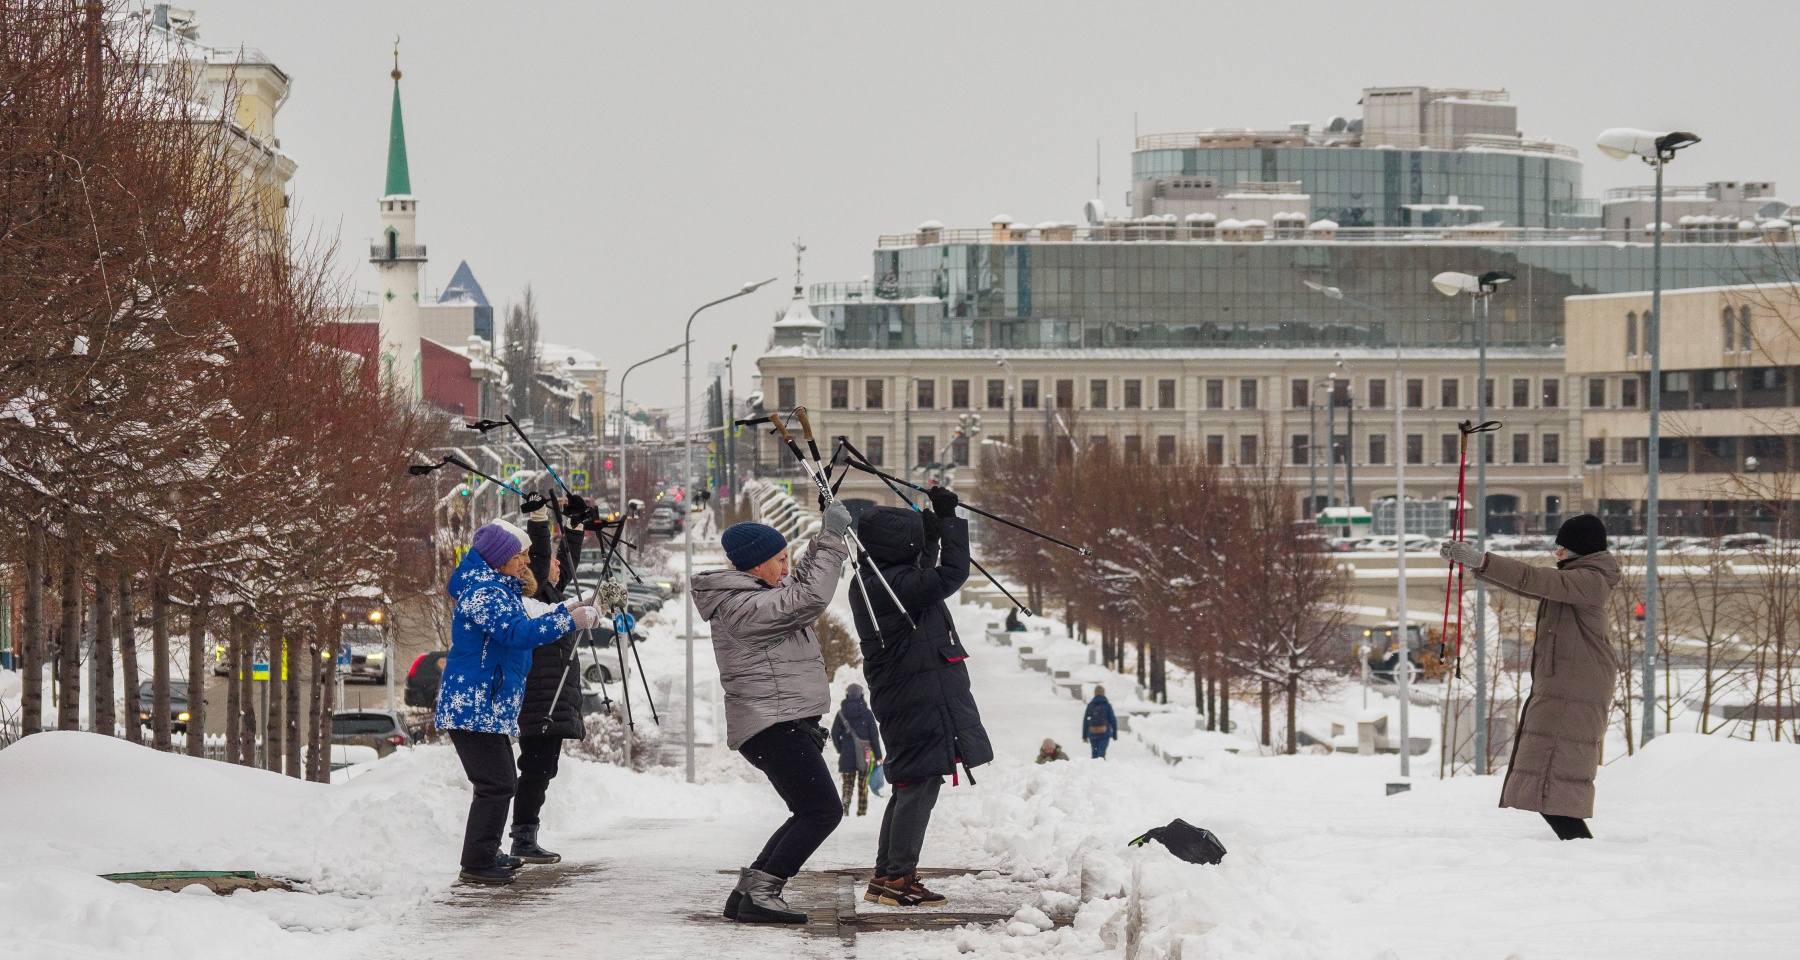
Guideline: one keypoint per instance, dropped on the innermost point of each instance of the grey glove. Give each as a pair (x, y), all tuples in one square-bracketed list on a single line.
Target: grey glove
[(1461, 551), (586, 616), (836, 520)]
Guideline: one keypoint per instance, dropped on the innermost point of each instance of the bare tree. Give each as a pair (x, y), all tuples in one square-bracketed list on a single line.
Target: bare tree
[(520, 355)]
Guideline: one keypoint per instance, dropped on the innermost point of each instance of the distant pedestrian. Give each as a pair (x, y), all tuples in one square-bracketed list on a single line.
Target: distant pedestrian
[(1051, 750), (918, 683), (1099, 725), (491, 639), (858, 746), (1012, 621), (773, 672), (1556, 752)]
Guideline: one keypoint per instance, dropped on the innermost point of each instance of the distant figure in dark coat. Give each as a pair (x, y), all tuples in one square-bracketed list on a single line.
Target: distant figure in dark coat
[(1012, 621), (1099, 725), (918, 683), (1051, 750), (854, 735)]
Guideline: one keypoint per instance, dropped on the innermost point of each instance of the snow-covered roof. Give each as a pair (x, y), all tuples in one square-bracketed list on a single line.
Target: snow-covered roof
[(799, 316)]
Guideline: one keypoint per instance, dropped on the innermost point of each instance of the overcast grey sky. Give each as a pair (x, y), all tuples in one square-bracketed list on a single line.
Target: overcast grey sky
[(633, 160)]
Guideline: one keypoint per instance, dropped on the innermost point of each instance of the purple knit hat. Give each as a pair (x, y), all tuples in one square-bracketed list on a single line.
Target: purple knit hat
[(497, 543)]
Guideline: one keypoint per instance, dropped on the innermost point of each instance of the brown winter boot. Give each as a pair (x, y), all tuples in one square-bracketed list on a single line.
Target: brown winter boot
[(917, 893), (889, 892)]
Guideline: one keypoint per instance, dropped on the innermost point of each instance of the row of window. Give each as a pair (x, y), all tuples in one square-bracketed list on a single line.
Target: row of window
[(1214, 391), (1736, 333)]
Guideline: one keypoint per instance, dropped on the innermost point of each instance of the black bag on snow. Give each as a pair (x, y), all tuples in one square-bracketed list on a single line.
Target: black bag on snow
[(1190, 843)]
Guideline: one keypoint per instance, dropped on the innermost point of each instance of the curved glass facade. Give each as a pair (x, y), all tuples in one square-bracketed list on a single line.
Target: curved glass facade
[(1360, 187), (1209, 294)]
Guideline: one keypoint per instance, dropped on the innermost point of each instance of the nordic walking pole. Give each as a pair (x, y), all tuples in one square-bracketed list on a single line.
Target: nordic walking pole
[(975, 510), (483, 426), (845, 444), (421, 469), (850, 536)]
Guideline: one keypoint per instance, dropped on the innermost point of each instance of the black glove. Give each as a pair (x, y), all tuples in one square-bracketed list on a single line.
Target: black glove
[(533, 503), (576, 509), (932, 526), (943, 501), (813, 729)]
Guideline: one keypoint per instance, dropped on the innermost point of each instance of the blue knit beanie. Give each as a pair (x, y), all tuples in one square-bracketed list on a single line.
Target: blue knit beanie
[(497, 543), (749, 544)]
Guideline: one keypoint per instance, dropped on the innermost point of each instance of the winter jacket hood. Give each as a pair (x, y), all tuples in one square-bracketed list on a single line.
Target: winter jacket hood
[(491, 639), (770, 664), (1557, 749), (892, 534)]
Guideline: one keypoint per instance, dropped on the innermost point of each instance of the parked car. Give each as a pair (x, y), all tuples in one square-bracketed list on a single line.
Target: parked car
[(380, 729), (423, 678), (663, 521), (363, 655), (178, 705)]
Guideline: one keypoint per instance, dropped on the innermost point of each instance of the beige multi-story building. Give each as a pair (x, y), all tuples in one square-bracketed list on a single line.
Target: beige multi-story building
[(1731, 408), (909, 409)]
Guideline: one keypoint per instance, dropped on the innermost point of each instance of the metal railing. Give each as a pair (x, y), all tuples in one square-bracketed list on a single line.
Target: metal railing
[(402, 251), (1228, 139)]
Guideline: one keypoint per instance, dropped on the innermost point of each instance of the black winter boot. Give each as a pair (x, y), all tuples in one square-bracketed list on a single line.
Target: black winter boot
[(759, 899), (525, 846)]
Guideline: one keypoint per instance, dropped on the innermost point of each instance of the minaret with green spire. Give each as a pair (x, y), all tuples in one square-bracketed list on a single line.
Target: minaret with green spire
[(398, 257), (398, 182)]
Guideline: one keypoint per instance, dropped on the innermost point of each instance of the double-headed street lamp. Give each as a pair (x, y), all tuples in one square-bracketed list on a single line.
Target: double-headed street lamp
[(1655, 149), (687, 481), (1479, 288)]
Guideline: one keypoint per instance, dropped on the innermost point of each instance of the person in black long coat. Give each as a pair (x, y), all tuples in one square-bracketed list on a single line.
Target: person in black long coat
[(852, 731), (551, 711), (918, 683)]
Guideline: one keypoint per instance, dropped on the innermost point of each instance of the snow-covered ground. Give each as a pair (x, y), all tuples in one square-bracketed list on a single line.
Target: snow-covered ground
[(1698, 854)]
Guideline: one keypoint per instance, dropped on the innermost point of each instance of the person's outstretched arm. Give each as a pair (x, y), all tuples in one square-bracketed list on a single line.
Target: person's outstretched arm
[(1580, 587), (767, 616)]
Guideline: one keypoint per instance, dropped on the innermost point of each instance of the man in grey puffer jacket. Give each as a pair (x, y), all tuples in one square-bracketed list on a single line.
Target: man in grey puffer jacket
[(776, 690)]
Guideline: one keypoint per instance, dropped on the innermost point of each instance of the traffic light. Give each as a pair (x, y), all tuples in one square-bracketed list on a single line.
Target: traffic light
[(609, 465)]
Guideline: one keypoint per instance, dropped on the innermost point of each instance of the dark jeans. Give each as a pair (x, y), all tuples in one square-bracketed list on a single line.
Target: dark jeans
[(792, 761), (1098, 745), (537, 767), (903, 826), (487, 758)]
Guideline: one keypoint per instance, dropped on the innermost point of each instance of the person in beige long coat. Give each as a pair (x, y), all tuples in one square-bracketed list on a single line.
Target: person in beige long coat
[(1557, 749)]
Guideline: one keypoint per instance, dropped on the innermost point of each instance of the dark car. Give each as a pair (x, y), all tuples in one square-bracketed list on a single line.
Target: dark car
[(178, 705), (423, 678), (369, 728)]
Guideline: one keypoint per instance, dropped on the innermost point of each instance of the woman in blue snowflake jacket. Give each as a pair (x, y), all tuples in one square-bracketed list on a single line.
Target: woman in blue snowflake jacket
[(491, 639)]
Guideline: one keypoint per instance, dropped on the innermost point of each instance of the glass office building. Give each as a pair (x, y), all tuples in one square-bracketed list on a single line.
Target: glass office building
[(1365, 187), (965, 290)]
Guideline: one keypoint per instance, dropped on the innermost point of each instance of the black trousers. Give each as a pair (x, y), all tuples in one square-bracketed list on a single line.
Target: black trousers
[(903, 826), (537, 767), (487, 758), (1568, 828), (794, 764)]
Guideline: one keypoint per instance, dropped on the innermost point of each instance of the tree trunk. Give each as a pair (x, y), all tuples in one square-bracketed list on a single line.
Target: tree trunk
[(315, 700), (331, 636), (198, 614), (247, 695), (1225, 703), (105, 718), (68, 649), (274, 748), (290, 699), (32, 647), (128, 663), (1293, 720), (1212, 702), (234, 659), (1142, 679), (159, 668), (1263, 701)]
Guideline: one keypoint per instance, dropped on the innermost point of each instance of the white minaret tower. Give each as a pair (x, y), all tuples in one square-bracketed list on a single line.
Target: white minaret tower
[(397, 256)]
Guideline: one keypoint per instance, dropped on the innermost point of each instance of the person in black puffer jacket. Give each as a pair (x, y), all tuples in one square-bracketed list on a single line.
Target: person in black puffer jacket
[(547, 717), (918, 684)]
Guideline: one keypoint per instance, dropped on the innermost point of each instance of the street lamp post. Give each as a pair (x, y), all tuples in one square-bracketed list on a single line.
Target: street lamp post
[(687, 481), (622, 418), (1479, 288), (1655, 149), (1402, 627)]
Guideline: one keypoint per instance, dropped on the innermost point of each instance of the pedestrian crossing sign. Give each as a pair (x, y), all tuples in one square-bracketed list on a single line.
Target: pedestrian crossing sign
[(578, 479)]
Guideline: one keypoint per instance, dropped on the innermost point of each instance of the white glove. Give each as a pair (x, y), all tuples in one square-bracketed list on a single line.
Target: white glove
[(586, 616), (1461, 551)]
